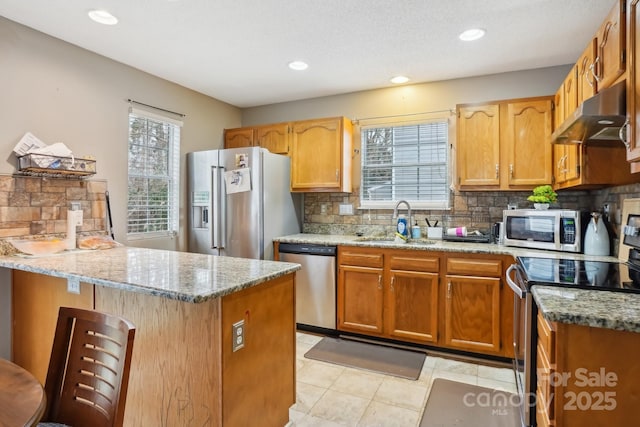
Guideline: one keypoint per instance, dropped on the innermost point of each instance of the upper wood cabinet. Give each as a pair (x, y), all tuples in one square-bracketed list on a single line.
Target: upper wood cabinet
[(587, 85), (478, 146), (503, 145), (633, 84), (321, 155), (567, 158), (610, 62), (239, 137), (274, 138)]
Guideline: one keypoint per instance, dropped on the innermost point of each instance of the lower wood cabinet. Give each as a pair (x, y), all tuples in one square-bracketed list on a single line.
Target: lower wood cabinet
[(446, 300), (473, 304), (586, 376), (391, 294)]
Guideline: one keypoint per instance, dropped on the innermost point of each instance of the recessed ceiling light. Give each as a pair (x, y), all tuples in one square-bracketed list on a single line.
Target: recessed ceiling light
[(472, 34), (298, 65), (103, 17), (399, 79)]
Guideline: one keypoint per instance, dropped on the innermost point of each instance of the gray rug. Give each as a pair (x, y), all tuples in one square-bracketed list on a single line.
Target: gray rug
[(454, 404), (370, 357)]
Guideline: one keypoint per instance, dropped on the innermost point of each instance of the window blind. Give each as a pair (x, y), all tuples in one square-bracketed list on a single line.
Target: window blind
[(153, 174), (406, 162)]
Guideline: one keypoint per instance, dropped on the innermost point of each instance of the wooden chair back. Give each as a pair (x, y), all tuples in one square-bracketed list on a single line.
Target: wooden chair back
[(88, 372)]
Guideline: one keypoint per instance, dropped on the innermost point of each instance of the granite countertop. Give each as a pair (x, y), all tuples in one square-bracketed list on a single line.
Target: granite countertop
[(600, 309), (430, 245), (604, 309), (170, 274)]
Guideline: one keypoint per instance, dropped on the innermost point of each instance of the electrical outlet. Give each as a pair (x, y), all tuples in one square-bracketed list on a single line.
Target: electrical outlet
[(346, 209), (78, 217), (237, 335), (73, 286), (323, 208)]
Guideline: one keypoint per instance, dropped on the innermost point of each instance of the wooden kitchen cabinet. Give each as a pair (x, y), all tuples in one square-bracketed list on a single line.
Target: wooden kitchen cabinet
[(321, 155), (566, 158), (274, 138), (633, 84), (503, 145), (239, 137), (575, 390), (610, 62), (478, 146), (388, 293), (360, 296), (36, 299), (473, 304)]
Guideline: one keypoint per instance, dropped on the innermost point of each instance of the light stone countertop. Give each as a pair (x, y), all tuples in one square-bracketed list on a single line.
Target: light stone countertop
[(605, 309), (599, 309), (170, 274)]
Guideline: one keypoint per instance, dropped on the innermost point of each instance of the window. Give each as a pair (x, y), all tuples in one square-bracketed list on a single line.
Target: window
[(154, 173), (405, 162)]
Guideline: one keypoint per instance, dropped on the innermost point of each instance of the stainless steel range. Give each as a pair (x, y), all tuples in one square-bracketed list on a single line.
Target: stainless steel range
[(566, 272)]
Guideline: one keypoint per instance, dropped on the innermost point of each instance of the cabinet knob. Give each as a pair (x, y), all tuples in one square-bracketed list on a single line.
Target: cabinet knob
[(380, 281), (393, 279), (511, 170), (497, 171), (448, 289)]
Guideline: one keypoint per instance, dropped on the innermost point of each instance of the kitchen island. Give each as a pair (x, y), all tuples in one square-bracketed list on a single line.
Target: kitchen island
[(186, 308)]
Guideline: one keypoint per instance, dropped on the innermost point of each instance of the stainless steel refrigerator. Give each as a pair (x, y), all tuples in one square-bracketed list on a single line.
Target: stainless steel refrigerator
[(239, 201)]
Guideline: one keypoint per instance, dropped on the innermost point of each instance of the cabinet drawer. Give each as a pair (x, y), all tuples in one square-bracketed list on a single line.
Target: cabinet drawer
[(545, 392), (547, 338), (474, 267), (414, 263), (363, 259)]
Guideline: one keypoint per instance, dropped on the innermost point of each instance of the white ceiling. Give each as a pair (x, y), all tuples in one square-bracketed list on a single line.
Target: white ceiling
[(237, 50)]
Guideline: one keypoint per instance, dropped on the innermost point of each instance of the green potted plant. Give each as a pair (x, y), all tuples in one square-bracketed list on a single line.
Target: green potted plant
[(542, 196)]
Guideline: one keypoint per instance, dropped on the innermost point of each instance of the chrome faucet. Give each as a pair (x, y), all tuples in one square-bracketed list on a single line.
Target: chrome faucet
[(409, 219)]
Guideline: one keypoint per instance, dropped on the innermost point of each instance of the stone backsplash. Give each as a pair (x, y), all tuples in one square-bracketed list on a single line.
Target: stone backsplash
[(35, 206), (476, 210)]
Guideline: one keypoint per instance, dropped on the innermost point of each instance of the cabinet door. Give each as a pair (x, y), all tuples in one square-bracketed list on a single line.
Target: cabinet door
[(587, 84), (472, 313), (478, 146), (413, 306), (238, 138), (610, 62), (316, 155), (633, 82), (274, 138), (527, 132), (360, 299)]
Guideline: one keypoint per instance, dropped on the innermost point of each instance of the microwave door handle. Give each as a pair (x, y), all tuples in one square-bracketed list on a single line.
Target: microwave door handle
[(558, 238)]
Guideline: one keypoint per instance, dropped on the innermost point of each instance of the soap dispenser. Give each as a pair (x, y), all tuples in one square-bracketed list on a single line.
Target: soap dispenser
[(415, 231), (596, 238)]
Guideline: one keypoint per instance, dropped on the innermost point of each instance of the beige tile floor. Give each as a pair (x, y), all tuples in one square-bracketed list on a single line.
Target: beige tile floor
[(332, 395)]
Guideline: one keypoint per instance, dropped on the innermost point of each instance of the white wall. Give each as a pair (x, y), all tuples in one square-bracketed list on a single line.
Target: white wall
[(62, 93), (418, 98)]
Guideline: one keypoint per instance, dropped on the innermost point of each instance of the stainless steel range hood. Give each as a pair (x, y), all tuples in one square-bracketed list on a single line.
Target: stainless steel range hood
[(597, 121)]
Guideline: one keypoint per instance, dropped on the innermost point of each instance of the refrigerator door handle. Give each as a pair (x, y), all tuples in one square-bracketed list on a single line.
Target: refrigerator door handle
[(222, 207), (215, 206)]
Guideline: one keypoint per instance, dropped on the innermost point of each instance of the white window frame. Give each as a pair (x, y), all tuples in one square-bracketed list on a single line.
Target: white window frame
[(366, 203), (172, 176)]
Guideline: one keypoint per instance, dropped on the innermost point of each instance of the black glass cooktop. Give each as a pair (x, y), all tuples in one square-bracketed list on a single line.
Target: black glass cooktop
[(611, 276)]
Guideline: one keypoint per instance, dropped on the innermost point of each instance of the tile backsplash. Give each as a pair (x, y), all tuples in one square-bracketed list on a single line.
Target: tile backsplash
[(35, 206), (476, 210)]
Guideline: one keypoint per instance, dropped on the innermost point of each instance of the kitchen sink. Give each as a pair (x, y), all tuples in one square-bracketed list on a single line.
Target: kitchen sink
[(387, 240)]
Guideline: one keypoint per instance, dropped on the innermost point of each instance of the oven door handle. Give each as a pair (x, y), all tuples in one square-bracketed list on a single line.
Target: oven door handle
[(517, 289)]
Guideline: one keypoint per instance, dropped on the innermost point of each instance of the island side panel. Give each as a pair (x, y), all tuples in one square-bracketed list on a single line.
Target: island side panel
[(36, 299), (175, 377), (259, 379)]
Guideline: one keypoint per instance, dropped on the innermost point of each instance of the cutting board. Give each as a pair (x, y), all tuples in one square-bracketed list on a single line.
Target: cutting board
[(628, 206)]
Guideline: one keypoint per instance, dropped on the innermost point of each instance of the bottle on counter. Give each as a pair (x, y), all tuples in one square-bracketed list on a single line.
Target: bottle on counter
[(401, 226), (416, 233)]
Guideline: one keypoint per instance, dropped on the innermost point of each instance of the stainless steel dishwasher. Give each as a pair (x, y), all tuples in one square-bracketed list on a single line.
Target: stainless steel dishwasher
[(315, 284)]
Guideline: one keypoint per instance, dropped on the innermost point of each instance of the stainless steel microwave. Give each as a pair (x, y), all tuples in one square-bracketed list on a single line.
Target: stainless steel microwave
[(553, 229)]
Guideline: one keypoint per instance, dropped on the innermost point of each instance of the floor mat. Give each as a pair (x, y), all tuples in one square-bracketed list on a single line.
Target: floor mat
[(454, 404), (371, 357)]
